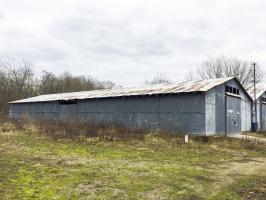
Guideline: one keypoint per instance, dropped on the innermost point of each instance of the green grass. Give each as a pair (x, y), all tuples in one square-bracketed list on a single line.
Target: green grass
[(39, 167)]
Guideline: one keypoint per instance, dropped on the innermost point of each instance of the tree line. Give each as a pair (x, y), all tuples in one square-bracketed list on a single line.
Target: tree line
[(18, 81), (219, 67), (222, 67)]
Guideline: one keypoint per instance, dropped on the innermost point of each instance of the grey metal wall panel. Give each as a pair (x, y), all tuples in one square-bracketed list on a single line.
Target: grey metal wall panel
[(261, 113), (183, 103), (183, 122), (220, 110), (51, 107), (175, 113), (142, 120), (106, 117), (246, 112), (68, 111), (246, 106), (133, 120), (51, 115), (112, 105), (142, 104), (233, 115), (152, 120), (233, 83), (210, 110), (263, 116), (86, 106), (90, 116), (37, 107)]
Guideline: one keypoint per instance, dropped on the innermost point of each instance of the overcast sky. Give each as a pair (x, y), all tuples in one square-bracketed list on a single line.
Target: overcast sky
[(129, 41)]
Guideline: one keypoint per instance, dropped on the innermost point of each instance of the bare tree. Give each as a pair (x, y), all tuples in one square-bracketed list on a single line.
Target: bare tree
[(220, 67), (50, 83), (18, 81), (158, 79)]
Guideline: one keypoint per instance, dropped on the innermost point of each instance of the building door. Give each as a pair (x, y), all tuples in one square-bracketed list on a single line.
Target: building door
[(233, 123), (263, 116)]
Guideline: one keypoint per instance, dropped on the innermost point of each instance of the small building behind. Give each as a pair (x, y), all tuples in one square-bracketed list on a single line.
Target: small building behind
[(260, 110), (205, 107)]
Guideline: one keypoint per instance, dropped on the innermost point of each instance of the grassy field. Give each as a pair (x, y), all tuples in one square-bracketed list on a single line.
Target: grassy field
[(33, 166), (259, 134)]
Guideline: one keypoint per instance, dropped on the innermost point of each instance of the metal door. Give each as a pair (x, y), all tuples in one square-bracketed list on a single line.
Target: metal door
[(233, 124), (263, 116)]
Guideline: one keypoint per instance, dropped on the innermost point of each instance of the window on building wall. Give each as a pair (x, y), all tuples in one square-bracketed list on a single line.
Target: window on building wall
[(66, 102), (232, 90)]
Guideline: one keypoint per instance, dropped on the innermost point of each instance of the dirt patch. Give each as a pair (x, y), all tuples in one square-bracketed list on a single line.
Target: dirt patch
[(230, 173)]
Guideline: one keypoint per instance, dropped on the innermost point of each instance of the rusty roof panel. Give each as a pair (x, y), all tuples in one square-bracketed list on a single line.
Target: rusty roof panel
[(185, 87)]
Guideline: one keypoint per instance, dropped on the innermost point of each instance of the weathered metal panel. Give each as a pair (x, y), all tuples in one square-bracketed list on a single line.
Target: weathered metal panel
[(187, 103), (245, 114), (246, 106), (233, 115), (260, 92), (87, 106), (220, 110), (263, 116), (51, 107), (195, 107), (177, 88), (142, 120), (142, 104), (183, 122), (175, 113), (151, 120), (68, 112), (133, 120), (89, 116), (106, 117), (261, 112), (210, 109), (112, 105), (51, 115)]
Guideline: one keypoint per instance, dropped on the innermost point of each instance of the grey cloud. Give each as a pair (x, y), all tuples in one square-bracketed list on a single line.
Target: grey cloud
[(2, 16), (130, 46), (140, 38), (22, 45)]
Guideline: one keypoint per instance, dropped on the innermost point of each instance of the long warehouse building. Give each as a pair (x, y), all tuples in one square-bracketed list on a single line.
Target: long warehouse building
[(206, 107)]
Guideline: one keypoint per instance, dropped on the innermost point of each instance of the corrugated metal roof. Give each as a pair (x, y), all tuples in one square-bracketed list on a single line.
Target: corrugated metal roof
[(185, 87)]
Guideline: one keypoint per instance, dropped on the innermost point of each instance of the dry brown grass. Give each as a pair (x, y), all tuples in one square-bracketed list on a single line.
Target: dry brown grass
[(73, 129), (98, 162)]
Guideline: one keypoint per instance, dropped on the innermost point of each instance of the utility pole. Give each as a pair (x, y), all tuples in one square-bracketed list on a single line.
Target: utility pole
[(255, 98)]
